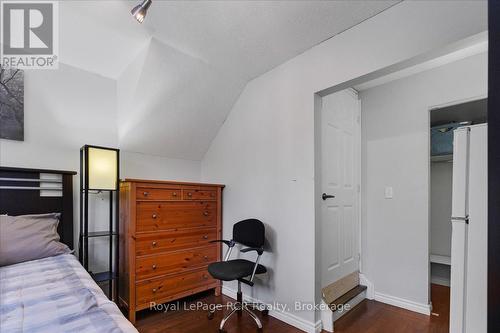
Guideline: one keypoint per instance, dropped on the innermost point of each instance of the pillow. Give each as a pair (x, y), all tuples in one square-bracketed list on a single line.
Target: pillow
[(29, 237)]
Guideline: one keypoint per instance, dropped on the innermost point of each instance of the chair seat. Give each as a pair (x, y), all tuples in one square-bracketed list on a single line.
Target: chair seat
[(234, 269)]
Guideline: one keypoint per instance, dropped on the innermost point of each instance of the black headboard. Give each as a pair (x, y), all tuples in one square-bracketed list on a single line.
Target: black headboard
[(20, 195)]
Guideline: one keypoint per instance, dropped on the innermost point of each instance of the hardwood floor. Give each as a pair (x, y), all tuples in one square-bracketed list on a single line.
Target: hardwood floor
[(376, 317), (368, 317), (440, 296), (184, 321)]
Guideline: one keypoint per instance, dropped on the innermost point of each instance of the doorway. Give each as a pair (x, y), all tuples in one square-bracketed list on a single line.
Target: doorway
[(395, 227)]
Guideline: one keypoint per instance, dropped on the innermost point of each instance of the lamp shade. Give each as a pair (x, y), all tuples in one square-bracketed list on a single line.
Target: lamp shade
[(103, 168)]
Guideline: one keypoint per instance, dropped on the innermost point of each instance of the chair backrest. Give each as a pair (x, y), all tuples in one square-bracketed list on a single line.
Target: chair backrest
[(249, 232)]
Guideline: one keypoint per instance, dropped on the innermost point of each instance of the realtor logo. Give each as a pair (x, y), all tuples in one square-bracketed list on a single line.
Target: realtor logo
[(29, 34)]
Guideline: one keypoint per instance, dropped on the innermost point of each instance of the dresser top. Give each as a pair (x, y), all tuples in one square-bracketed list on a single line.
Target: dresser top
[(151, 181)]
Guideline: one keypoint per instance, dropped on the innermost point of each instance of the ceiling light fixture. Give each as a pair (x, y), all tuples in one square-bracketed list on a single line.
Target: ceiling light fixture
[(140, 11)]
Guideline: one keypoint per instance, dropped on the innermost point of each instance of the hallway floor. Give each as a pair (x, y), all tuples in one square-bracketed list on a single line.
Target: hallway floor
[(376, 317), (368, 317)]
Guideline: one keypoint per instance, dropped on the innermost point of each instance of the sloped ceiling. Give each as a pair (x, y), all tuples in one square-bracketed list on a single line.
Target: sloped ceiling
[(180, 72)]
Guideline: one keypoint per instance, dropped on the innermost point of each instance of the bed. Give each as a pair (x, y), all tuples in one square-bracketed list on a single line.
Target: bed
[(52, 294)]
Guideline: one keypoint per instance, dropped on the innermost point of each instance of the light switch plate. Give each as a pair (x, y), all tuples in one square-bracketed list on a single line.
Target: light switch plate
[(389, 192)]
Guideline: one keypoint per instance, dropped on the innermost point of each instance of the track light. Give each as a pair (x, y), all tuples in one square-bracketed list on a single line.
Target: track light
[(140, 11)]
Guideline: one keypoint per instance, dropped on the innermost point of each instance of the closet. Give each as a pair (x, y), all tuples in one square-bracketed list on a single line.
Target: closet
[(443, 122)]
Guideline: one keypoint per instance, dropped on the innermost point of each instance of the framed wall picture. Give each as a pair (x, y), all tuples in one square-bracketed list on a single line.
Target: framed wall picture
[(11, 104)]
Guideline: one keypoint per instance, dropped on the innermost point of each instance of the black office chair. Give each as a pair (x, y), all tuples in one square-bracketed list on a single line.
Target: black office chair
[(249, 233)]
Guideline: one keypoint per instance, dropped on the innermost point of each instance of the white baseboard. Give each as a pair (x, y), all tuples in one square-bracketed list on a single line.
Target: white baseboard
[(370, 290), (403, 303), (284, 316)]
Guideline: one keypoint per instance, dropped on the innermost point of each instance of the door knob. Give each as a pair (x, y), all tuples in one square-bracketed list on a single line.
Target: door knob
[(327, 196)]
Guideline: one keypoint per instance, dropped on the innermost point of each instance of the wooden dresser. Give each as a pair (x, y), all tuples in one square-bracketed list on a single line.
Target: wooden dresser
[(165, 230)]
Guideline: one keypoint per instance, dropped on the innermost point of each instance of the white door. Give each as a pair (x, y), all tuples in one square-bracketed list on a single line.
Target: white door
[(340, 178)]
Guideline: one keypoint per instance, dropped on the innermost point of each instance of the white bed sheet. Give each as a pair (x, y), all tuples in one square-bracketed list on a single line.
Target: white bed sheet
[(56, 294)]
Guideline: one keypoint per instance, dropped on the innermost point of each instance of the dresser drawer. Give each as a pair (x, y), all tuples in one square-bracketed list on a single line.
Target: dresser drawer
[(174, 262), (174, 240), (158, 194), (156, 290), (199, 194), (171, 215)]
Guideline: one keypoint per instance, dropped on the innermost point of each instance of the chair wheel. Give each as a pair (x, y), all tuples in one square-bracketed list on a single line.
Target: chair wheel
[(221, 330), (210, 315), (265, 312)]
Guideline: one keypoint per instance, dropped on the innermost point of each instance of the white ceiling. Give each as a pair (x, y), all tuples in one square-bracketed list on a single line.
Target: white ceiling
[(180, 72)]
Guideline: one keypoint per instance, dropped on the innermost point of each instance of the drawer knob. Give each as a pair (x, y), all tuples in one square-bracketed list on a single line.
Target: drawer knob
[(205, 213), (190, 194), (154, 216), (205, 237), (145, 194), (212, 194), (154, 244), (154, 266), (205, 276), (205, 257), (174, 194), (154, 290)]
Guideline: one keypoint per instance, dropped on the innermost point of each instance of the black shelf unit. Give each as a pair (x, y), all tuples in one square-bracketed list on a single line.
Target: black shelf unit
[(104, 276), (92, 234), (111, 275)]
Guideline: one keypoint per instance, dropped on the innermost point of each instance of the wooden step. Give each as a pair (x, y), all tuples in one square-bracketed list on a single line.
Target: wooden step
[(333, 311), (344, 299), (338, 288)]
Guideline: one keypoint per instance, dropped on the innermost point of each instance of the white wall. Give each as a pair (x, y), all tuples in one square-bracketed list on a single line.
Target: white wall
[(395, 152), (63, 109), (144, 166), (264, 152), (440, 223)]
